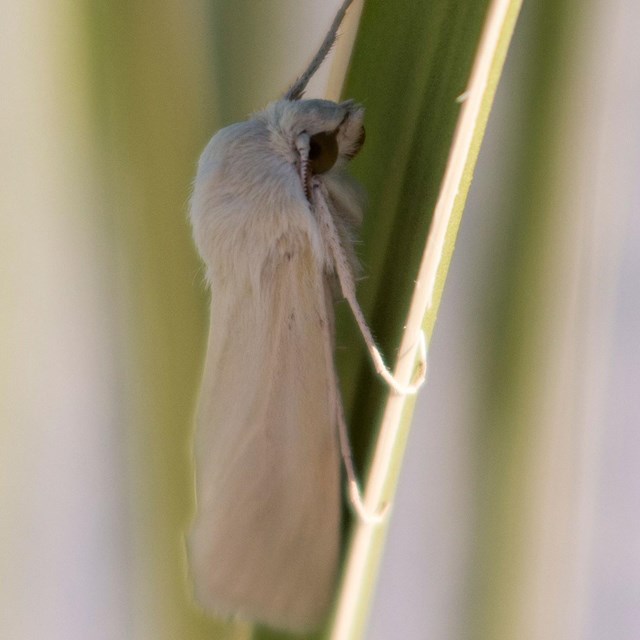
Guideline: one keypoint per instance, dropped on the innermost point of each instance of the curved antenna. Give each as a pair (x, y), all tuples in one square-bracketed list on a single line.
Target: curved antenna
[(298, 87)]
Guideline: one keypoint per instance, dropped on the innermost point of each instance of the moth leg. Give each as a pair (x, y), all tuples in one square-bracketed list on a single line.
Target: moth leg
[(347, 285), (355, 495)]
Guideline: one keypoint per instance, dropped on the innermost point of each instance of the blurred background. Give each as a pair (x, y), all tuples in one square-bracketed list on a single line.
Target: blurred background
[(518, 512)]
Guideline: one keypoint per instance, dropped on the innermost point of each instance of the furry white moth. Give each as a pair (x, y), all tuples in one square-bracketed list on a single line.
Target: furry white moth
[(273, 214)]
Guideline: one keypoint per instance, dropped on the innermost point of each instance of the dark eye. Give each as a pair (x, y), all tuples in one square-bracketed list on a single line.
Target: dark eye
[(323, 151)]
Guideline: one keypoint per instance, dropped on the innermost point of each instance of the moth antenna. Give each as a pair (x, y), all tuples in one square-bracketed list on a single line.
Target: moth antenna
[(298, 87)]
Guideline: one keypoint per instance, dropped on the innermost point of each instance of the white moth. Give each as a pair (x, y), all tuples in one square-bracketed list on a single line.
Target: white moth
[(273, 213)]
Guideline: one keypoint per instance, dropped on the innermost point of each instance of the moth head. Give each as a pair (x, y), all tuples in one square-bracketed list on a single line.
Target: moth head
[(316, 136)]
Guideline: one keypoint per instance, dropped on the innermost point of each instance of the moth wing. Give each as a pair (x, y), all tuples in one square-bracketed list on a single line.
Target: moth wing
[(265, 541)]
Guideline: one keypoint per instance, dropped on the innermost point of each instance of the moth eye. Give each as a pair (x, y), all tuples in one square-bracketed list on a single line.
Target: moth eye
[(323, 151)]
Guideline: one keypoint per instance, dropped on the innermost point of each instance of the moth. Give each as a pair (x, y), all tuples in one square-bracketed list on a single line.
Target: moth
[(273, 215)]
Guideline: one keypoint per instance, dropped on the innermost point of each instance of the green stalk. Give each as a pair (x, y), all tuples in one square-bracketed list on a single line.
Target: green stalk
[(429, 149)]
